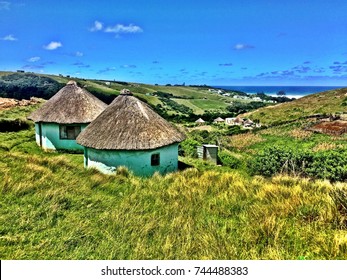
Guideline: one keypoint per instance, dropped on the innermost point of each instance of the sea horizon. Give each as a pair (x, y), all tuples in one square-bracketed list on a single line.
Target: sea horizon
[(290, 91)]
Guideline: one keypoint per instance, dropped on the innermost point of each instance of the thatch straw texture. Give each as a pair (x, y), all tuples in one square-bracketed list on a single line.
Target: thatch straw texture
[(200, 120), (219, 119), (129, 124), (69, 105)]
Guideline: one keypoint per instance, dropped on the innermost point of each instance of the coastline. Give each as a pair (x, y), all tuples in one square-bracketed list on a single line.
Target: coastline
[(291, 91), (296, 96)]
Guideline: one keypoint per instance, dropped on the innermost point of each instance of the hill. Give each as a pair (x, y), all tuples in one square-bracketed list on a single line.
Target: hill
[(177, 102), (182, 98), (328, 102)]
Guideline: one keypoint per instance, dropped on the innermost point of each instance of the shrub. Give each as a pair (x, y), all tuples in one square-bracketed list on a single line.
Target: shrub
[(276, 159), (329, 164), (235, 129), (326, 164), (188, 148), (228, 160), (13, 125)]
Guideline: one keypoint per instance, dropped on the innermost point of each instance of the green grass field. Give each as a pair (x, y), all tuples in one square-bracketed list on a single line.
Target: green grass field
[(52, 208)]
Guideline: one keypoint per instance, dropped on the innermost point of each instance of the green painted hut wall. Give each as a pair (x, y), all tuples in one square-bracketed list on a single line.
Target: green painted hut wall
[(51, 138), (139, 161)]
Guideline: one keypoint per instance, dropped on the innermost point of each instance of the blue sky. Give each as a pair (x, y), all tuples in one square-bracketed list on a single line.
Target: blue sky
[(214, 42)]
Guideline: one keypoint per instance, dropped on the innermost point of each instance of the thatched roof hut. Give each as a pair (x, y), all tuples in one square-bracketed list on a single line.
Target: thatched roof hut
[(200, 121), (70, 105), (129, 133), (218, 120), (129, 124), (59, 121)]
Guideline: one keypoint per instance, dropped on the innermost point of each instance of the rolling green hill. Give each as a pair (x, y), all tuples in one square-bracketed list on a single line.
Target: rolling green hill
[(328, 102), (198, 99)]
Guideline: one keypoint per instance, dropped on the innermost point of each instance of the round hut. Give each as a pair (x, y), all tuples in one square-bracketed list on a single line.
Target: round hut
[(219, 120), (200, 121), (129, 133), (59, 121)]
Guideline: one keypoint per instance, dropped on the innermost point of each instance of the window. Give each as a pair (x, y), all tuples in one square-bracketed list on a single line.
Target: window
[(155, 159), (69, 131)]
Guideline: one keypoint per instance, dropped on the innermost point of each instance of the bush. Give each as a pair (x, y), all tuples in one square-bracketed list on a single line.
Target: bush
[(13, 125), (233, 130), (228, 160), (278, 159), (329, 164), (188, 148)]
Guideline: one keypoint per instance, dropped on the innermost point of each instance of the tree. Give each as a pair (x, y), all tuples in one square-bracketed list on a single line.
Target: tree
[(281, 93)]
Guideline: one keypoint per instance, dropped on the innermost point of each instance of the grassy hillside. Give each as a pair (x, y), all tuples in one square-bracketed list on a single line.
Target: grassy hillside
[(324, 102), (52, 208), (196, 98)]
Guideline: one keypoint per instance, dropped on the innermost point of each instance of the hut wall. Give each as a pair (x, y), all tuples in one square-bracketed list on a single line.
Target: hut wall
[(208, 152), (37, 134), (139, 162), (211, 154), (51, 138)]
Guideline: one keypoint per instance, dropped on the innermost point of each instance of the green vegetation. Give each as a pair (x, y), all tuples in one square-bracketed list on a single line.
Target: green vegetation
[(52, 208), (277, 194), (328, 102), (23, 86), (176, 103)]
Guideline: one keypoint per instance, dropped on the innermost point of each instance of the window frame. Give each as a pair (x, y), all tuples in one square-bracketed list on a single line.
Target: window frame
[(66, 130), (155, 159)]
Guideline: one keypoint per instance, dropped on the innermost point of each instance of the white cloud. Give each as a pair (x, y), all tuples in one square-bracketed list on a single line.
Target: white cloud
[(78, 54), (5, 5), (243, 47), (9, 38), (120, 28), (53, 46), (97, 26), (34, 59)]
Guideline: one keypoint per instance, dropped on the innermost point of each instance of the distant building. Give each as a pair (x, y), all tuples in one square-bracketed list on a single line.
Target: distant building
[(59, 121), (248, 123), (245, 123), (200, 121), (219, 120), (234, 121)]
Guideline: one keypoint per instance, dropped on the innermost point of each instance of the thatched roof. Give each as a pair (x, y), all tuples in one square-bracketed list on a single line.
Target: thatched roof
[(219, 119), (129, 124), (69, 105), (200, 120)]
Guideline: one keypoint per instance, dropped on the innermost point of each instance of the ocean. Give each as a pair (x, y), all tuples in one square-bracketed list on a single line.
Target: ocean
[(291, 91)]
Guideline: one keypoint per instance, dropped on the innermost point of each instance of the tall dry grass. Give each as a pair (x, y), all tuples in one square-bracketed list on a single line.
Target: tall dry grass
[(52, 208)]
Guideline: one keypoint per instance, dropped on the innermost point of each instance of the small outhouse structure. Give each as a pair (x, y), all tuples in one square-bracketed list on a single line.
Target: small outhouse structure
[(208, 152), (129, 133), (59, 121)]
